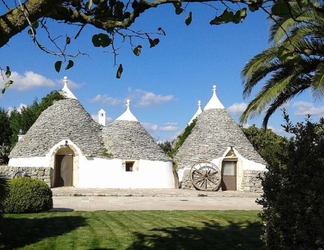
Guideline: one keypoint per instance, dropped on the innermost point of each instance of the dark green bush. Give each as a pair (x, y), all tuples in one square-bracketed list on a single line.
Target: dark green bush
[(3, 195), (28, 195), (293, 199)]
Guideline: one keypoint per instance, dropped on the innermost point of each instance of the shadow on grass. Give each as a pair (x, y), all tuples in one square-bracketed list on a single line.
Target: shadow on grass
[(24, 231), (211, 236)]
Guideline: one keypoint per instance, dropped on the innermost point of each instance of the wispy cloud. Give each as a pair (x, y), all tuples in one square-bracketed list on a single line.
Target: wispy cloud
[(28, 81), (22, 105), (307, 108), (106, 100), (146, 98), (237, 108), (169, 127), (150, 127)]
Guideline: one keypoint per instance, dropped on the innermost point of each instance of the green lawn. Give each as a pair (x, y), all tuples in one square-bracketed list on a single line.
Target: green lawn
[(133, 230)]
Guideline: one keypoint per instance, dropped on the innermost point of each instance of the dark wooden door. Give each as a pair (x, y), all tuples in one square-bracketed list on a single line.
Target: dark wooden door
[(63, 171), (228, 175)]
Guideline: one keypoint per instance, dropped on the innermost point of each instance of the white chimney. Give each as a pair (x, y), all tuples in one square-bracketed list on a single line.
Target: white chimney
[(102, 117)]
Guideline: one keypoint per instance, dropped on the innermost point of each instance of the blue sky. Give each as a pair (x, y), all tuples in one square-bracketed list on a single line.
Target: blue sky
[(164, 83)]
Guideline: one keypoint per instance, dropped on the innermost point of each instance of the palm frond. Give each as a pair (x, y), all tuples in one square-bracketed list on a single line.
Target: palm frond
[(317, 86)]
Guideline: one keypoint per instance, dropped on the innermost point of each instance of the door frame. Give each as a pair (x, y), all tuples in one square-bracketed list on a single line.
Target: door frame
[(66, 151), (235, 161)]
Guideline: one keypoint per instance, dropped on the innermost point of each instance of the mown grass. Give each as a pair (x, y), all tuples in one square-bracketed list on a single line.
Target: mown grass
[(133, 230)]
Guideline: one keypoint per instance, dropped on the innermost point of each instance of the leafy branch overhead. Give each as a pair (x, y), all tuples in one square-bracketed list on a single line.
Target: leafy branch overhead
[(111, 19)]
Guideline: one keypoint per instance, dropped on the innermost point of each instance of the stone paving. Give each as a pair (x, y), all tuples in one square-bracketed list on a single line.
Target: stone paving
[(79, 199)]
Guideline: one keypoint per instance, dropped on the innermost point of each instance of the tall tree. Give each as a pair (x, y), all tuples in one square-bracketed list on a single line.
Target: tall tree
[(5, 131), (22, 120), (293, 64)]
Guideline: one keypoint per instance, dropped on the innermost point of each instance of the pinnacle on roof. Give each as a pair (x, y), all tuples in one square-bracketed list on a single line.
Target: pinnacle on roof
[(65, 91), (214, 102), (127, 115), (199, 111)]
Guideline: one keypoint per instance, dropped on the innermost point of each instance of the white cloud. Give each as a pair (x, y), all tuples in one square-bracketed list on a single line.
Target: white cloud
[(22, 105), (151, 128), (27, 81), (307, 108), (146, 98), (237, 108), (170, 127), (105, 99)]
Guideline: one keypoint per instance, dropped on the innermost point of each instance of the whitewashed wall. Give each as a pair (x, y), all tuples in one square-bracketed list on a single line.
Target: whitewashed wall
[(109, 173)]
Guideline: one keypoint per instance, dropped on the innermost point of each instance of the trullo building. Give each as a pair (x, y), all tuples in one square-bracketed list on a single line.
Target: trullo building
[(217, 153), (66, 147)]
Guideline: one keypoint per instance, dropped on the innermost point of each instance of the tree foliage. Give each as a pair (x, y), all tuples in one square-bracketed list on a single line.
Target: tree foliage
[(293, 199), (3, 195), (293, 64), (267, 143), (112, 21)]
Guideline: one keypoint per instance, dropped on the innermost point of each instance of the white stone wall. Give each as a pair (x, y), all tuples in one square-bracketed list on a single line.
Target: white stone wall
[(110, 173)]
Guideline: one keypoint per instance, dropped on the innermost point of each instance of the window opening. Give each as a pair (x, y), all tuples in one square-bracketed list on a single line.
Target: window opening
[(130, 166)]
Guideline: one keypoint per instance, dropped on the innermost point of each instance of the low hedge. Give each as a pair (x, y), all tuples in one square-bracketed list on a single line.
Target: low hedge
[(28, 195)]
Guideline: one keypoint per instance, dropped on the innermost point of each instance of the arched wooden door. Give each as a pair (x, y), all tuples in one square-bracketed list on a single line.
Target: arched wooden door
[(63, 171)]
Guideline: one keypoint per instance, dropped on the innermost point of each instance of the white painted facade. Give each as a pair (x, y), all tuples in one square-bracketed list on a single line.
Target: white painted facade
[(92, 172), (101, 172)]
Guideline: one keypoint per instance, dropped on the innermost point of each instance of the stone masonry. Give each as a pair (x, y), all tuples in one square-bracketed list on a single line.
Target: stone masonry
[(40, 173)]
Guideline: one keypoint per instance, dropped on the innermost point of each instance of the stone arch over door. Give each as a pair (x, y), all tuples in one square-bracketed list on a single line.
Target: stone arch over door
[(63, 168)]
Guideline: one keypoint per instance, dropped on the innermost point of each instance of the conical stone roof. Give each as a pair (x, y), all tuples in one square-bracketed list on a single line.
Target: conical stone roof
[(65, 119), (215, 131), (127, 139)]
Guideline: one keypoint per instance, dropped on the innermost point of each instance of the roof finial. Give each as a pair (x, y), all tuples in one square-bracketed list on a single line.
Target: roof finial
[(127, 115), (214, 103), (199, 111), (65, 90), (65, 81)]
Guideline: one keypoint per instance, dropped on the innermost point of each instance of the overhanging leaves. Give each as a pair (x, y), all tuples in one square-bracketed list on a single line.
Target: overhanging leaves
[(137, 50), (8, 72), (58, 66), (70, 65), (188, 18), (101, 39), (7, 85), (119, 71), (154, 42), (178, 9)]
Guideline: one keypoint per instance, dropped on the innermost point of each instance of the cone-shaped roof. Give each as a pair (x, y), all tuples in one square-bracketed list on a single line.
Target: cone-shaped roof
[(126, 139), (215, 131), (127, 115), (65, 119), (198, 112), (214, 102), (65, 91)]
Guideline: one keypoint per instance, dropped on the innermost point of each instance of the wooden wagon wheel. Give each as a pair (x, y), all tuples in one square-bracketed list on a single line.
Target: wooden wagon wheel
[(205, 176)]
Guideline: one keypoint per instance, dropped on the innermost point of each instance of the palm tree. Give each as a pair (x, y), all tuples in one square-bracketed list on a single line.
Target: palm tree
[(292, 65)]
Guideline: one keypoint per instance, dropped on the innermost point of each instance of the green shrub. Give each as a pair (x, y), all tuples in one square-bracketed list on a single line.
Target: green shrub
[(293, 199), (3, 195), (28, 195)]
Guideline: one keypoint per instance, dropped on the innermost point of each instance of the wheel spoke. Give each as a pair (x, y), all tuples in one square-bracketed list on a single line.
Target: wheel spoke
[(205, 176)]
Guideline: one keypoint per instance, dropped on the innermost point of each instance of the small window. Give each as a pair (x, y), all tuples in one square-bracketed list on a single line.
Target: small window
[(129, 166)]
